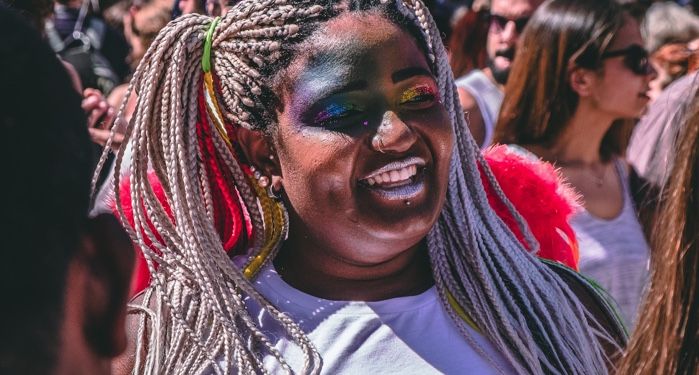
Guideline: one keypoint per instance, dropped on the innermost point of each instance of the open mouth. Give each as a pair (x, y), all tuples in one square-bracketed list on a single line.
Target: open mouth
[(400, 179)]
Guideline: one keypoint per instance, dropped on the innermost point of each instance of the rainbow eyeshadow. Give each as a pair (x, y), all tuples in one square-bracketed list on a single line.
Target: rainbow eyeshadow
[(413, 93), (334, 111)]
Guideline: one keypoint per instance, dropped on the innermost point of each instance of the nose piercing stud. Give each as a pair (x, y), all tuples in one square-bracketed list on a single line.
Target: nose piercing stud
[(380, 146)]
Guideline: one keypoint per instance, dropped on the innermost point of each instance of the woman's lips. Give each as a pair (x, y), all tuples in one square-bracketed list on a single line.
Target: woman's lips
[(398, 180), (394, 177), (395, 171)]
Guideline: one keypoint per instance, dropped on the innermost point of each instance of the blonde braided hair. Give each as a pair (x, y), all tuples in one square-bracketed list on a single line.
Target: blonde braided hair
[(195, 305)]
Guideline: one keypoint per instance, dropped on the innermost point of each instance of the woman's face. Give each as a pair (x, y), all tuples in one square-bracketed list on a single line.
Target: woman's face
[(363, 141), (620, 91)]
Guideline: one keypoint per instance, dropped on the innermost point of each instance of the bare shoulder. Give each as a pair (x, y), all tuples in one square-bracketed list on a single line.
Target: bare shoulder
[(468, 102), (124, 363), (473, 115)]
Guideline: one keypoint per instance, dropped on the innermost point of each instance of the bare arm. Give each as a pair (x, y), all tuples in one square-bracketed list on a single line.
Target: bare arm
[(473, 115)]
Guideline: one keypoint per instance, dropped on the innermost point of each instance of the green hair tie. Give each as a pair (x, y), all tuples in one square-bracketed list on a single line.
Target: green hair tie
[(206, 59)]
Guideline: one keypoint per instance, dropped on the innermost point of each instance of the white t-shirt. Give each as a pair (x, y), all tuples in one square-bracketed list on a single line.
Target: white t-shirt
[(406, 335)]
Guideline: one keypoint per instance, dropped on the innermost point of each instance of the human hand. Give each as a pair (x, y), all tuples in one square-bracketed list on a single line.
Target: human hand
[(100, 136), (100, 115)]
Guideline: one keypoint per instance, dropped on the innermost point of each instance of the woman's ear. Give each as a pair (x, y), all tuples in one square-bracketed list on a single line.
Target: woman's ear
[(259, 151), (582, 81)]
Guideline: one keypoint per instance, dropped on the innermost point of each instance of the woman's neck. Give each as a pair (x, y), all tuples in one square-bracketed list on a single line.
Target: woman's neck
[(580, 141), (317, 272)]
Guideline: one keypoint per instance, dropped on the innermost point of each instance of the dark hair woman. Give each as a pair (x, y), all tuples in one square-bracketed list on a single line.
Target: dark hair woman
[(666, 340), (467, 42), (321, 143), (580, 72)]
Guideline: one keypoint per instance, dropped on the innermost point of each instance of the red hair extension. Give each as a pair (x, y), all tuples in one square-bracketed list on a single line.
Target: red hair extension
[(231, 219)]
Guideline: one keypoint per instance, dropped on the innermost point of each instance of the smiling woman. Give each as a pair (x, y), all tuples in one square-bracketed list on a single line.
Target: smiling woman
[(318, 142)]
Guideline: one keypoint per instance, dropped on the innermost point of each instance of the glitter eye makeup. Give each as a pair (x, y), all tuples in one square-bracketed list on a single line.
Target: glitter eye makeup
[(418, 94), (335, 112)]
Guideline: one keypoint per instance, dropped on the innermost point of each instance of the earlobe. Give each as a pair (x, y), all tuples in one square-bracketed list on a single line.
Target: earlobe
[(581, 81), (259, 152)]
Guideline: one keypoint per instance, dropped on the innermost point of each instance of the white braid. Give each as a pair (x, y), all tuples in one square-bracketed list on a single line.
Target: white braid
[(193, 317)]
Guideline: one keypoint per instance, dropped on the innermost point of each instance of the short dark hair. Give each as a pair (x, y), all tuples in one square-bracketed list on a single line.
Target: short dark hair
[(46, 170)]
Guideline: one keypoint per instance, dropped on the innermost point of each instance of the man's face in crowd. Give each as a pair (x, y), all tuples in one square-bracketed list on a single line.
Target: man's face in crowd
[(507, 20)]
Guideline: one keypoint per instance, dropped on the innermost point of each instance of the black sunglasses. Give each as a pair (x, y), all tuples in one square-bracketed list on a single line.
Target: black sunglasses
[(501, 22), (635, 58)]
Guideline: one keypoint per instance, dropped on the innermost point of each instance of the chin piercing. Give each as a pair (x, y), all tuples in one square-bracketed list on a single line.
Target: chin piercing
[(407, 203)]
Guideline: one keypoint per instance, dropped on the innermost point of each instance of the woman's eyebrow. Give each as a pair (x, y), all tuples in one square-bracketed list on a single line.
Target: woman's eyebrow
[(412, 71), (351, 86)]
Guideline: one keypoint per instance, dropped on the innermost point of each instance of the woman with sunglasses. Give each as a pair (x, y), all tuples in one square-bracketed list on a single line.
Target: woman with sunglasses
[(579, 79)]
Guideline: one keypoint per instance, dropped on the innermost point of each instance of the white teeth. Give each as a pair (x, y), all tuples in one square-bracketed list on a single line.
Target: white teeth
[(405, 173), (393, 176)]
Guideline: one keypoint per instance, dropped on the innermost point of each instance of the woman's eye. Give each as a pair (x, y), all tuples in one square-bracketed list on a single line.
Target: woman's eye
[(418, 95), (337, 116)]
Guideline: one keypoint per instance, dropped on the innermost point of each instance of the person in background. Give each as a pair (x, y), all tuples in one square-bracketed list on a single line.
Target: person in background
[(671, 33), (652, 146), (190, 6), (481, 91), (64, 276), (581, 69), (98, 52), (141, 26), (467, 47), (666, 339)]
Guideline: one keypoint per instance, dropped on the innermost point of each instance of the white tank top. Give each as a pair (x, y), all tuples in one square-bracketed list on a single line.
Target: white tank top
[(614, 252), (488, 97)]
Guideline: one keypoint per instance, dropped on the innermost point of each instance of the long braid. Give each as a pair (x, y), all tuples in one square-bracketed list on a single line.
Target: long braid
[(194, 312), (198, 317), (528, 312)]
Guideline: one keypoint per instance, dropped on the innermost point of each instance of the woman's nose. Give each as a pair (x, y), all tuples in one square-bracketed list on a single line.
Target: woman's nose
[(393, 135)]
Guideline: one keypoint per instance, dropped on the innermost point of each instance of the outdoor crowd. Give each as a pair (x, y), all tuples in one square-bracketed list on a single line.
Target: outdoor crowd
[(349, 187)]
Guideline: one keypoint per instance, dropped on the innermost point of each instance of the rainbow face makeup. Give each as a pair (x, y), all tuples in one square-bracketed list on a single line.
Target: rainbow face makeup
[(335, 112), (418, 94)]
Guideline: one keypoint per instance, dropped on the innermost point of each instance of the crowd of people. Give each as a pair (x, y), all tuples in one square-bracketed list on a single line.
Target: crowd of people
[(350, 186)]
